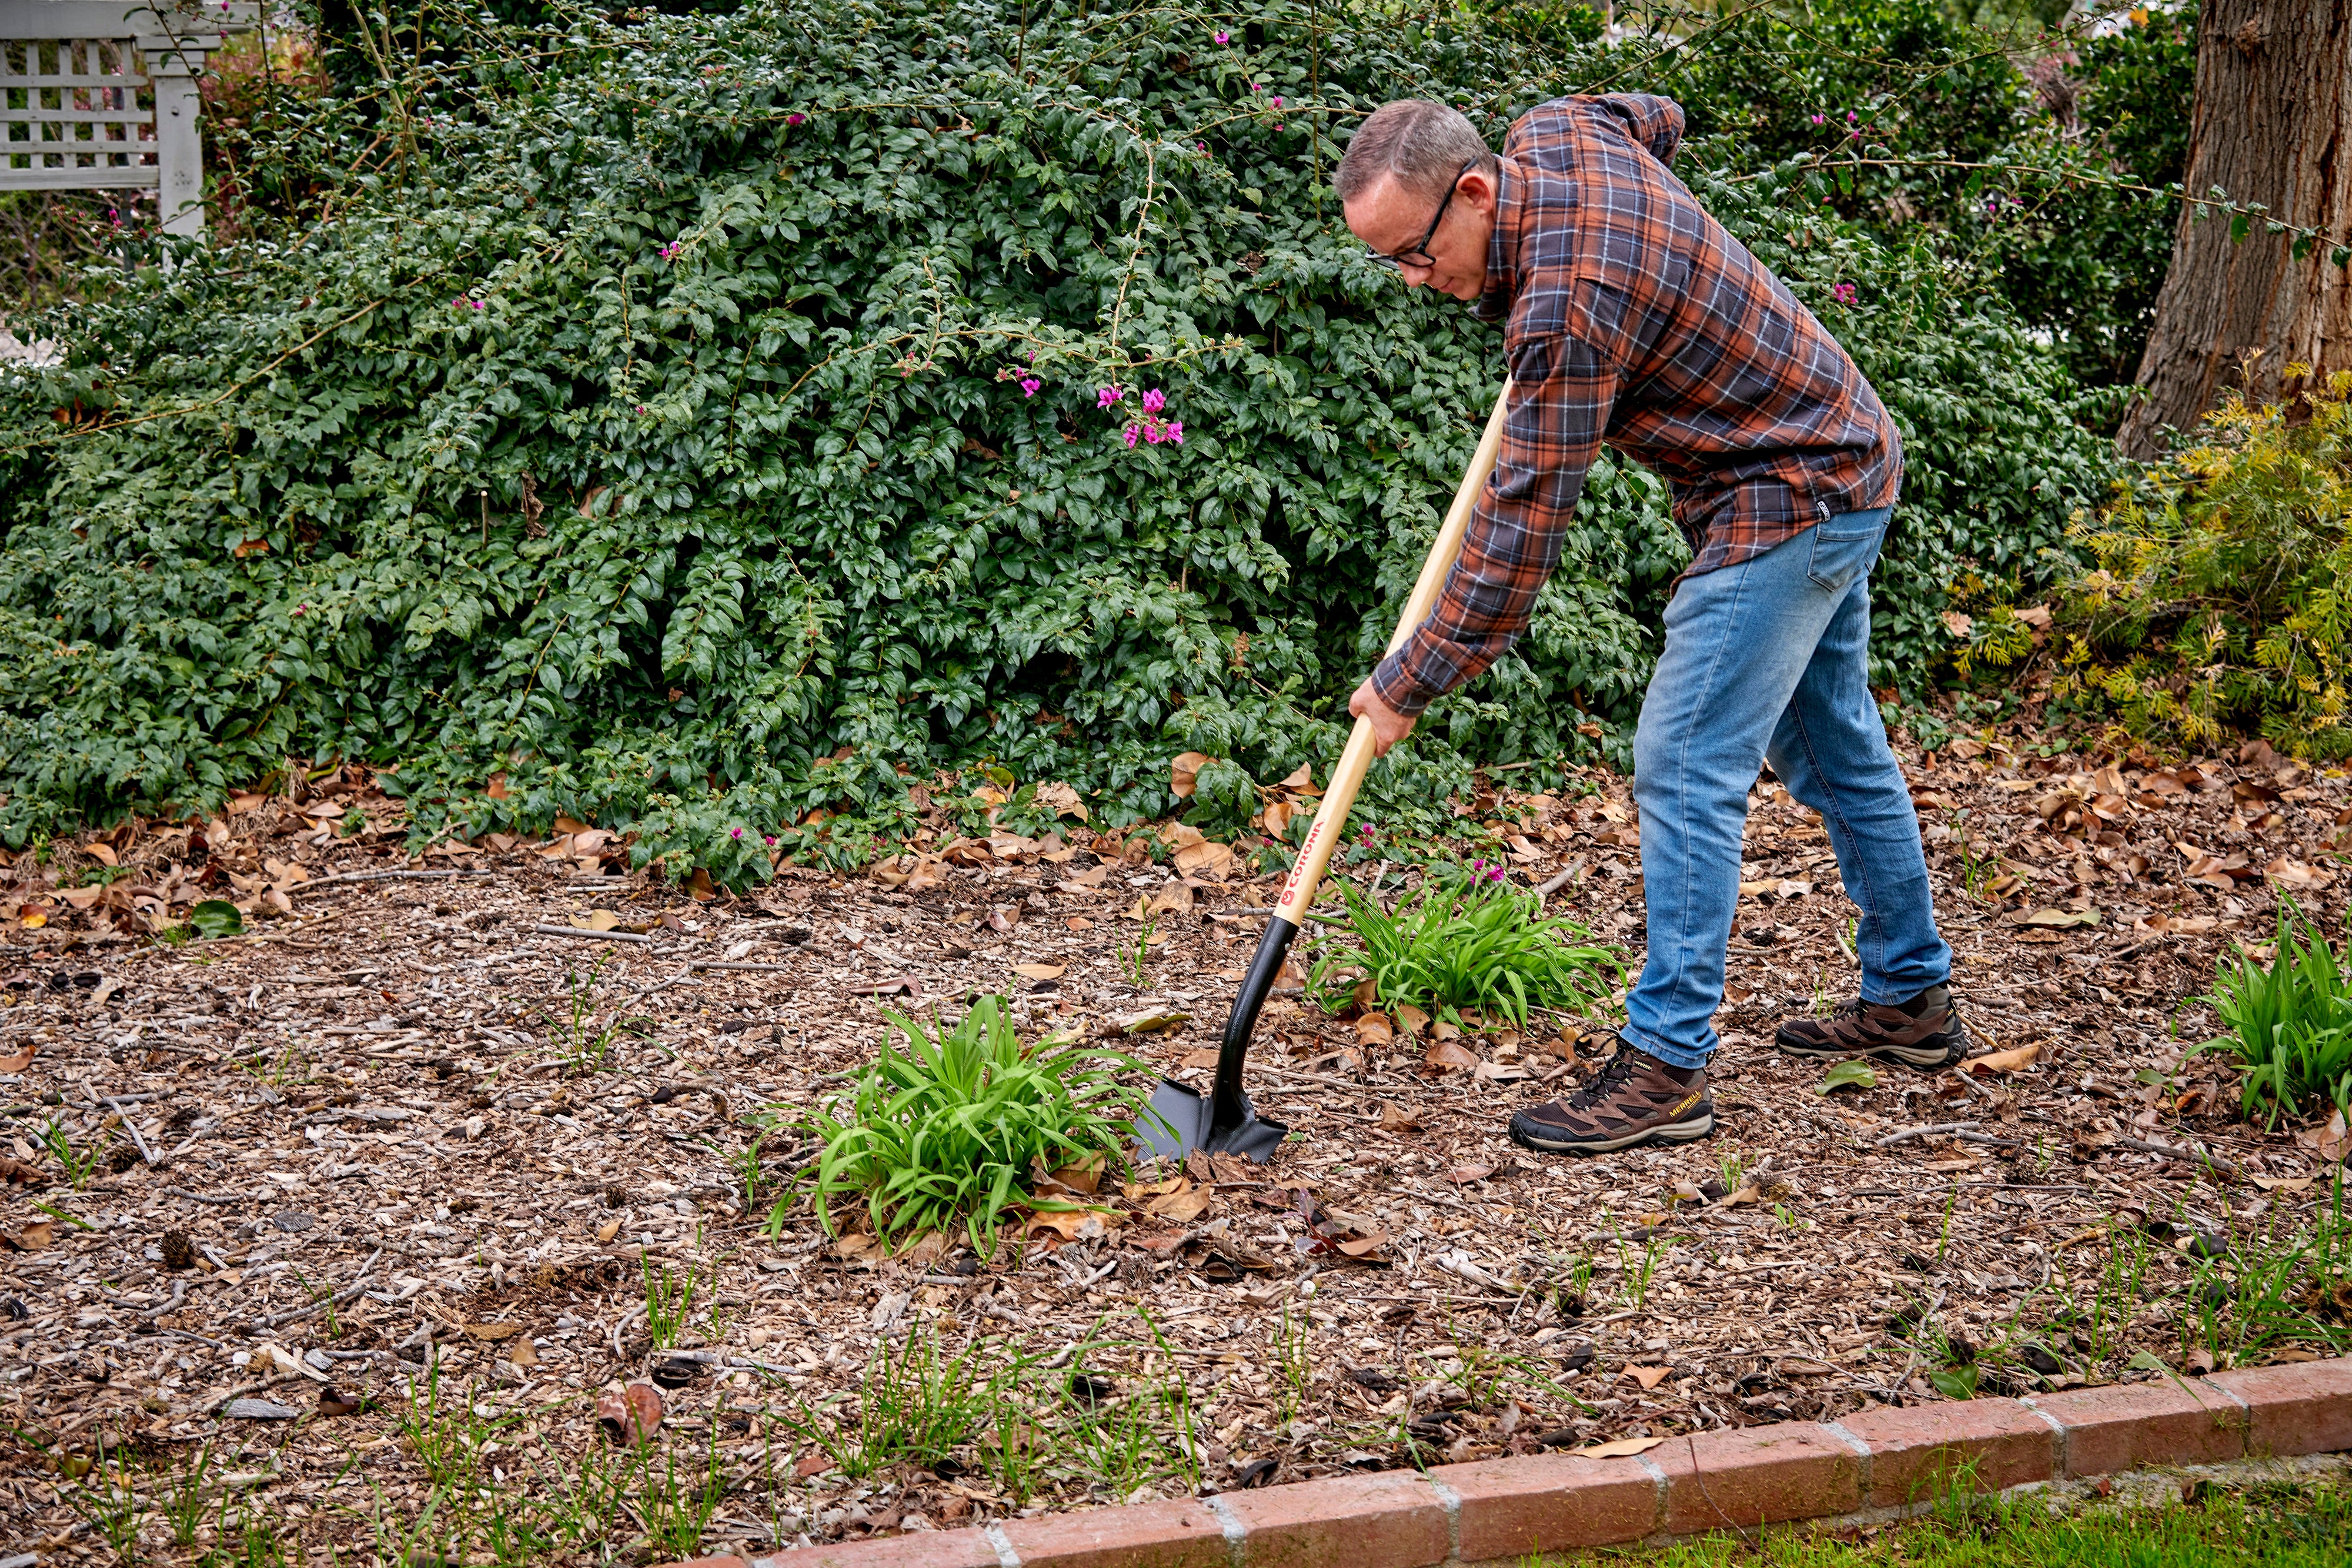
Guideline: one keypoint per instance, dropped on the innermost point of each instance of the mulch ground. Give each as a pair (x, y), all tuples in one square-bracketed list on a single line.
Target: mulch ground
[(411, 1096)]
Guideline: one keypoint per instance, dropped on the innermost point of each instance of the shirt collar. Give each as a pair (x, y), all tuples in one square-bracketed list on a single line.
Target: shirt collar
[(1502, 248)]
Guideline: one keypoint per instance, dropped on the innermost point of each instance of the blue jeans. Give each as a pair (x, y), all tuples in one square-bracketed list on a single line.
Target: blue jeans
[(1770, 659)]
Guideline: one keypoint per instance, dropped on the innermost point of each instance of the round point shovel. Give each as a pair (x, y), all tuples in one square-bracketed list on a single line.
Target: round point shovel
[(1179, 1120)]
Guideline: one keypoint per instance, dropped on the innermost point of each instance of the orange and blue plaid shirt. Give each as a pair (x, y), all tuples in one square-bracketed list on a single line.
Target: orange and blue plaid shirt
[(1632, 318)]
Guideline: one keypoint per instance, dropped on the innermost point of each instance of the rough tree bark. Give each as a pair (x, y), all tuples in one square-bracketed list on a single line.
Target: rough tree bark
[(2273, 124)]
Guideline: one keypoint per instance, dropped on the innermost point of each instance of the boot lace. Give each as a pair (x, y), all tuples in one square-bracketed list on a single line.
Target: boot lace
[(1612, 1076)]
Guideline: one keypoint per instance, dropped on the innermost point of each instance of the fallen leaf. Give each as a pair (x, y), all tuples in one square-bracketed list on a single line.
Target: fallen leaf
[(2284, 1184), (1040, 971), (1184, 772), (1957, 624), (493, 1332), (1277, 819), (2296, 874), (1214, 861), (2056, 917), (606, 1231), (1411, 1019), (1395, 1119), (1204, 1057), (1648, 1376), (1062, 800), (598, 920), (1174, 898), (1363, 1246), (2004, 1060), (17, 1171), (1182, 1206), (34, 1237), (1374, 1028), (21, 1061), (1137, 1191), (1151, 1021), (523, 1353), (1445, 1056), (2330, 1142), (1855, 1074), (1067, 1223), (1463, 1175), (1622, 1449), (1084, 1176)]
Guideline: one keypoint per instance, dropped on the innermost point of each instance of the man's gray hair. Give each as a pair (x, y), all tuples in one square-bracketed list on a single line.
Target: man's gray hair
[(1419, 143)]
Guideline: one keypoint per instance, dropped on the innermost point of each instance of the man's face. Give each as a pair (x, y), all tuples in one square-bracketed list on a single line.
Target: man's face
[(1392, 219)]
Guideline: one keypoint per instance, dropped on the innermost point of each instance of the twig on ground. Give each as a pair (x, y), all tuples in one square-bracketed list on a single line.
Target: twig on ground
[(350, 1292), (2192, 1154), (581, 932), (351, 876), (1937, 1131)]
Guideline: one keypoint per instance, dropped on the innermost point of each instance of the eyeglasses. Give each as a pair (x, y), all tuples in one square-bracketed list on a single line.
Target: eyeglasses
[(1417, 253)]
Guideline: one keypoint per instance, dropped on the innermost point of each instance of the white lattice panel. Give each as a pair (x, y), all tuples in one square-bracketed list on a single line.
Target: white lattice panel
[(75, 113)]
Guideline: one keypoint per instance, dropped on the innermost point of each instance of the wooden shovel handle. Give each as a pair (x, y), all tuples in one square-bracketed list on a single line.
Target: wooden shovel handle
[(1339, 794)]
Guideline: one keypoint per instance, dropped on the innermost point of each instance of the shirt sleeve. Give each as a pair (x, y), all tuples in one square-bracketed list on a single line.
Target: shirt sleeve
[(1562, 393)]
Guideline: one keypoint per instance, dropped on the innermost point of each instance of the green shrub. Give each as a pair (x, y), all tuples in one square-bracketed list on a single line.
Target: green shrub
[(2288, 1021), (950, 1130), (648, 423), (1479, 945), (2217, 602)]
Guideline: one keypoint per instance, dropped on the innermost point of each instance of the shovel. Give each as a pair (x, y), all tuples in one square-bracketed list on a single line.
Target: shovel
[(1179, 1119)]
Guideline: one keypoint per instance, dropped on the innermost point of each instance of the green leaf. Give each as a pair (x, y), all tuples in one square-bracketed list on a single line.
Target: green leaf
[(1855, 1074), (215, 917), (1953, 1382)]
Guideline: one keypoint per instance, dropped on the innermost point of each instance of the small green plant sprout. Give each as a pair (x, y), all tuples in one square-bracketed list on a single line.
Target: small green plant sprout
[(1143, 950), (1855, 1074), (1467, 942), (576, 1039), (77, 1164), (668, 1302), (947, 1130), (1958, 1374), (2288, 1021)]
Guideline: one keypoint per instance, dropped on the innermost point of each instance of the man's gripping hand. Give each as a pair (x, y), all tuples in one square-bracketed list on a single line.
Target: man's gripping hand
[(1388, 726)]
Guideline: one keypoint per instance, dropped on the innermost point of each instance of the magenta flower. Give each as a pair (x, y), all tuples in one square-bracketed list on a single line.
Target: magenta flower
[(1850, 117), (1843, 293), (1153, 433), (1029, 385), (1176, 431), (768, 839), (1223, 37), (1277, 125), (1154, 400), (736, 834), (795, 119), (1367, 831), (1496, 875), (1818, 118), (1278, 102), (1105, 396), (1130, 437)]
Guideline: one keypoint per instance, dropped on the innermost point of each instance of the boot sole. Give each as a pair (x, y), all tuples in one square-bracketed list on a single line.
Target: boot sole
[(1673, 1133), (1933, 1054)]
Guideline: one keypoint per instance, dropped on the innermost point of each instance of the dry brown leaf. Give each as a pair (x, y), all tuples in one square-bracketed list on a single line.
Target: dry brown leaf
[(1648, 1376), (13, 1169), (1204, 1057), (1622, 1449), (1182, 1206), (1137, 1191), (1151, 1021), (598, 920), (2296, 874), (630, 1414), (606, 1231), (1277, 817), (523, 1353), (1084, 1176), (2330, 1143), (1395, 1119), (1445, 1056), (493, 1332), (1184, 772), (1040, 971), (2004, 1060), (1363, 1246), (1067, 1223), (1214, 861), (2059, 918), (1463, 1175), (1411, 1019), (1374, 1028), (2284, 1184), (33, 1238), (21, 1061), (1062, 800)]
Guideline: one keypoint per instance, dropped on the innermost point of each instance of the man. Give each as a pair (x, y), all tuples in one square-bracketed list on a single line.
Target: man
[(1631, 317)]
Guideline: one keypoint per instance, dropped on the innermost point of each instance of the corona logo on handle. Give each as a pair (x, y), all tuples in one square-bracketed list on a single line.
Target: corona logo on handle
[(1298, 866)]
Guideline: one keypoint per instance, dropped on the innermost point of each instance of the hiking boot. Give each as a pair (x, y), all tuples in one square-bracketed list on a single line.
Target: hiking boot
[(1634, 1098), (1925, 1032)]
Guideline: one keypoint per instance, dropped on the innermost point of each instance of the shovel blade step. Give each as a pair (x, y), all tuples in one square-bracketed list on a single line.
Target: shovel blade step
[(1187, 1119)]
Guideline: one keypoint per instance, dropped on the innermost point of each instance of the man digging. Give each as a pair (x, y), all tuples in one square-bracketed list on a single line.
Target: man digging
[(1631, 317)]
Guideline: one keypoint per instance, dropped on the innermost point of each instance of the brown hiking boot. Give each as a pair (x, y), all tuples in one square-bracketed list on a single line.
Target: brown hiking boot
[(1925, 1032), (1633, 1099)]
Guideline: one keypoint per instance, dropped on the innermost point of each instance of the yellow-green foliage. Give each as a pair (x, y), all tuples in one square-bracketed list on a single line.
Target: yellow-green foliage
[(2217, 603)]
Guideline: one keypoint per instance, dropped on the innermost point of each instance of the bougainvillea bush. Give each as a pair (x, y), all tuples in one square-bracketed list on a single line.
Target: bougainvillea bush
[(691, 423)]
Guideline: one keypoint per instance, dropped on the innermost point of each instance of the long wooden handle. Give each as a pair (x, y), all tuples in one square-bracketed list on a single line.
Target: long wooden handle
[(1339, 794)]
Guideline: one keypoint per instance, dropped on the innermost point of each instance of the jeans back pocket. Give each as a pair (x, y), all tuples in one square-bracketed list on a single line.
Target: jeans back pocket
[(1845, 547)]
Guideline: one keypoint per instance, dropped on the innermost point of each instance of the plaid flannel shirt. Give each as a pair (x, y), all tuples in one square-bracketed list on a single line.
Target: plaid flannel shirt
[(1632, 318)]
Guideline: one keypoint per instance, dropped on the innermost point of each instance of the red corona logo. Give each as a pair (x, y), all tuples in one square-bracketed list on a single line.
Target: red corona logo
[(1299, 864)]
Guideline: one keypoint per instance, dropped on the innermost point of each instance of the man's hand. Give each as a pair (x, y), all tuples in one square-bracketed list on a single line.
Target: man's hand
[(1388, 726)]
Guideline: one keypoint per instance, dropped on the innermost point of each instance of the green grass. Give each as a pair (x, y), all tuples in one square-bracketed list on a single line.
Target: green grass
[(2288, 1021), (949, 1130), (1480, 946), (2275, 1527)]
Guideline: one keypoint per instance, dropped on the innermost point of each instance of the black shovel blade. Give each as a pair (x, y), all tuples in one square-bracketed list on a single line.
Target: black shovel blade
[(1179, 1119)]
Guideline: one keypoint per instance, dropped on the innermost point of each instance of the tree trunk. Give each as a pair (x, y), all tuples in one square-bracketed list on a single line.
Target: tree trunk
[(2272, 125)]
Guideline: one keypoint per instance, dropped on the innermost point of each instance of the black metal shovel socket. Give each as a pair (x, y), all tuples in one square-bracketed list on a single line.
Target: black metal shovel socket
[(1179, 1119)]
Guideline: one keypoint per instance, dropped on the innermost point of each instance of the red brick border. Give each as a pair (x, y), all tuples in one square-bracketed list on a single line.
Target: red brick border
[(1500, 1509)]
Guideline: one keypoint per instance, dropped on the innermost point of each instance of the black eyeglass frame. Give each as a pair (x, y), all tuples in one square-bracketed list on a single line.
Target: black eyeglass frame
[(1417, 253)]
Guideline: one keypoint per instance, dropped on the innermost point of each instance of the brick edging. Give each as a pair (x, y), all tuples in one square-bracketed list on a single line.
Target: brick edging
[(1491, 1509)]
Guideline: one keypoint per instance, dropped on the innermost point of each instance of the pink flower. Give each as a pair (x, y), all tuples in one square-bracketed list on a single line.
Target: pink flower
[(1130, 438), (1850, 117), (1152, 433), (1817, 119), (768, 839), (1843, 293), (1496, 875), (1258, 86), (1176, 431), (477, 304), (1223, 37), (795, 119), (1278, 103), (1105, 396), (1154, 400), (736, 834), (1029, 385), (1277, 125), (1200, 146)]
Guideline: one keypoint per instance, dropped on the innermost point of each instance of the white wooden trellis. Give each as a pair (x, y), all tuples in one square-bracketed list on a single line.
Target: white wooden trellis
[(101, 95)]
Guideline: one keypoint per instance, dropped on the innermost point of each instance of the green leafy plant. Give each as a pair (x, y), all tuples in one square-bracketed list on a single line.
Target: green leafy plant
[(1481, 946), (914, 1402), (668, 1302), (2288, 1021), (577, 1040), (215, 917), (78, 1164), (1855, 1074), (2217, 600), (677, 1510), (951, 1128)]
